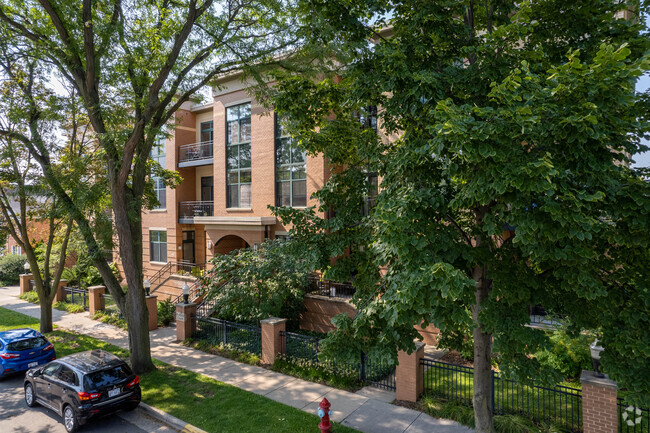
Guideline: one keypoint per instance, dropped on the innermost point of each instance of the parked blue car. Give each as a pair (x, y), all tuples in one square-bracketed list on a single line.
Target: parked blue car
[(22, 349)]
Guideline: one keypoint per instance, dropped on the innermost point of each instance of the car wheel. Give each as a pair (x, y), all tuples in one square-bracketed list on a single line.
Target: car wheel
[(70, 419), (30, 398)]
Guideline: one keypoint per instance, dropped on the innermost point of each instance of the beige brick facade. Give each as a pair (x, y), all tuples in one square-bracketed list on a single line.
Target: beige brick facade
[(227, 228)]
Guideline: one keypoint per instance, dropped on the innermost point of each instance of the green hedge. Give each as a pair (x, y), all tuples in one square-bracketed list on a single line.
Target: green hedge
[(11, 266)]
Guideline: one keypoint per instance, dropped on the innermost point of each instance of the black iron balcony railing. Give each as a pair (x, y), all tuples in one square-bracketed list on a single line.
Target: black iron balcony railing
[(328, 288), (191, 209), (195, 152)]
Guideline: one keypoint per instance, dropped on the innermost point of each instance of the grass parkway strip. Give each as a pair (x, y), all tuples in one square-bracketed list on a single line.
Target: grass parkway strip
[(199, 400)]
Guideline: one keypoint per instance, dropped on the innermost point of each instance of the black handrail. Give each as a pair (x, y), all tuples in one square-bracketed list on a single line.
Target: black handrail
[(171, 268)]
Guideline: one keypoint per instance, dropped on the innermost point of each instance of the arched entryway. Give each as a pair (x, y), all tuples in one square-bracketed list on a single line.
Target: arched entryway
[(229, 243)]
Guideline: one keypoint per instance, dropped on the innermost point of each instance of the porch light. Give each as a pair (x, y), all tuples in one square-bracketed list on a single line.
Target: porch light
[(26, 267), (147, 286), (186, 294), (596, 350)]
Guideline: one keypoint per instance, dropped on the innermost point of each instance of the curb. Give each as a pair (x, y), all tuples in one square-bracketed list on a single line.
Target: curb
[(168, 419)]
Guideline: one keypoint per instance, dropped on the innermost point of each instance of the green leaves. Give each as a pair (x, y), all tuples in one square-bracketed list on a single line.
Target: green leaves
[(503, 155)]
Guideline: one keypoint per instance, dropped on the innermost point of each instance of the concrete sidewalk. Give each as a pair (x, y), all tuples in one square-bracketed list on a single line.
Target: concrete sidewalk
[(368, 410)]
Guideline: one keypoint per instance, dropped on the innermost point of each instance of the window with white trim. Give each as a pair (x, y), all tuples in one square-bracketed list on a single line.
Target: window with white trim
[(158, 246), (158, 155)]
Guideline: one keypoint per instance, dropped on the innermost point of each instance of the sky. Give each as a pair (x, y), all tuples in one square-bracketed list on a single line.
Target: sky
[(642, 159)]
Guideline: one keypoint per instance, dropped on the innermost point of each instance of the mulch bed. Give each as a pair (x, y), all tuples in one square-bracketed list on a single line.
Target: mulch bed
[(453, 357)]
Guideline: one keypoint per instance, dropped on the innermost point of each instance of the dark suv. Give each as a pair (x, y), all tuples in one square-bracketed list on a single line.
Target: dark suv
[(82, 386)]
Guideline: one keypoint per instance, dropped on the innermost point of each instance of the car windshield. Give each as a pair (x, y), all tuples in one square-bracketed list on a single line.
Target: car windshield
[(28, 344), (104, 378)]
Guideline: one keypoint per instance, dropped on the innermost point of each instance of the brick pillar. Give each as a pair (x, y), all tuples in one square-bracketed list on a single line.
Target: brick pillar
[(271, 341), (409, 380), (599, 404), (185, 321), (60, 293), (95, 299), (152, 308), (24, 283)]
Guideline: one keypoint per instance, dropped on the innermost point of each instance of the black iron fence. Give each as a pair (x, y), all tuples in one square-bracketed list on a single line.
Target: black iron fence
[(195, 152), (109, 304), (330, 289), (540, 316), (559, 405), (76, 295), (245, 338), (633, 419), (377, 371)]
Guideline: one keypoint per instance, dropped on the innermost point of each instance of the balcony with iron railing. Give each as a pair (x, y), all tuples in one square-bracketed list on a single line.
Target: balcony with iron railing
[(191, 155), (187, 210)]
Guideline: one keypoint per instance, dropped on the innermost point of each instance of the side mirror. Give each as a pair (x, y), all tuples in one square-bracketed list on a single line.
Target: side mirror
[(37, 372)]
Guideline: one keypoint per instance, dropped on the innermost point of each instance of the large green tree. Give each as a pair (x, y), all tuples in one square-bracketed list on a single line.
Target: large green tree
[(506, 130), (33, 214), (134, 64)]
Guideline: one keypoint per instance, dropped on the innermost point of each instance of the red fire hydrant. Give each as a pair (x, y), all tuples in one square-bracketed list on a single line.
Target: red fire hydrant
[(324, 413)]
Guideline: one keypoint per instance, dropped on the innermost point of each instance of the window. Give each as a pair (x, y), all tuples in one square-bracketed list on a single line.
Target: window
[(16, 249), (51, 369), (28, 344), (290, 170), (158, 155), (370, 198), (206, 131), (107, 377), (158, 245), (238, 156), (66, 375), (367, 116)]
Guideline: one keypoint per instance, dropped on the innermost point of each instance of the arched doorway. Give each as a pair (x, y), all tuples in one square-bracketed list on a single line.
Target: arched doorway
[(228, 244)]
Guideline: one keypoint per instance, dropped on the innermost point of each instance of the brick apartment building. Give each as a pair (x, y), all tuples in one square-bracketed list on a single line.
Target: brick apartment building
[(235, 160)]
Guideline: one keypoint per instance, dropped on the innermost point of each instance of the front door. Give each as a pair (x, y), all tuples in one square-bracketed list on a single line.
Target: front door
[(43, 383), (188, 246)]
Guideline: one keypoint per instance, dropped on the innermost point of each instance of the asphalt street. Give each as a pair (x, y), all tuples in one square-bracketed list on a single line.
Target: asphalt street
[(16, 417)]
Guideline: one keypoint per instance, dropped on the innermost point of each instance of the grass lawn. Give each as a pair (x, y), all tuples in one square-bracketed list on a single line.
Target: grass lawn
[(199, 400)]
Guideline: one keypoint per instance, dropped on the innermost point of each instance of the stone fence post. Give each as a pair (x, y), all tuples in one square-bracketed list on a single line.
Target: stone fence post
[(185, 321), (24, 283), (96, 299), (409, 379), (152, 308), (599, 403), (271, 339)]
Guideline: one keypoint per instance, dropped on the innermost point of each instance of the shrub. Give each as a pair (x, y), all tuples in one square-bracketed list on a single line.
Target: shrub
[(166, 310), (567, 355), (70, 308), (30, 296), (110, 318), (11, 266), (225, 351), (332, 374)]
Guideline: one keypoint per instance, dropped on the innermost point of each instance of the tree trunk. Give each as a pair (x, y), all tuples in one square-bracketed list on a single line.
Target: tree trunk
[(129, 232), (483, 385), (46, 316)]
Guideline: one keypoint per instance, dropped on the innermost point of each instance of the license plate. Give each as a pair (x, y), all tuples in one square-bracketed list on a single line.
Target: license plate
[(32, 364), (113, 392)]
